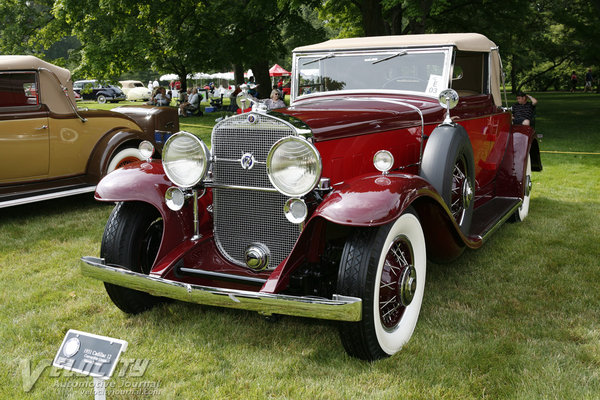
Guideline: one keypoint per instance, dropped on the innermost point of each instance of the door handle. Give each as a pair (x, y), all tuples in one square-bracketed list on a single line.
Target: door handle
[(41, 128)]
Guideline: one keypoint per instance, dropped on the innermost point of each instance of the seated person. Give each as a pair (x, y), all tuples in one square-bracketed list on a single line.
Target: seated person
[(192, 104), (522, 110), (161, 99), (275, 100)]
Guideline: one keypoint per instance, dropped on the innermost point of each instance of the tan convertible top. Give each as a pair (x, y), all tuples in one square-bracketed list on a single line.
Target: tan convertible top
[(462, 41), (50, 91)]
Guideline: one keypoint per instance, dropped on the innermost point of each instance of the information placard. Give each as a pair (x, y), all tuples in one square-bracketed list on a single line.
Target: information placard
[(89, 354)]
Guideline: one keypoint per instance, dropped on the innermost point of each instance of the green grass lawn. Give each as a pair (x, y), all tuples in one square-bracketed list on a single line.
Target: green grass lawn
[(517, 319)]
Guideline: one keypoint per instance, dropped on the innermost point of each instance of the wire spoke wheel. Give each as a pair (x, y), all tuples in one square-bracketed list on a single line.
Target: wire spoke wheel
[(461, 193), (385, 267), (397, 283)]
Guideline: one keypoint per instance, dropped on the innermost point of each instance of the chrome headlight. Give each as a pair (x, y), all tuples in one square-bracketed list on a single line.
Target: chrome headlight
[(294, 166), (185, 159)]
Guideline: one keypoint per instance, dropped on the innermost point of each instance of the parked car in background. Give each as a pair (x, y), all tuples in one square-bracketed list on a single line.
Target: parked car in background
[(50, 148), (394, 150), (135, 90), (100, 92)]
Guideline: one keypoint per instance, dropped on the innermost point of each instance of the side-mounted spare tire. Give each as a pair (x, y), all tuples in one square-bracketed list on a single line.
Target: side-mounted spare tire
[(449, 166)]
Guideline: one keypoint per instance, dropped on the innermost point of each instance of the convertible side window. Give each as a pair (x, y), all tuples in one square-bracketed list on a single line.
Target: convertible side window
[(18, 89), (470, 75)]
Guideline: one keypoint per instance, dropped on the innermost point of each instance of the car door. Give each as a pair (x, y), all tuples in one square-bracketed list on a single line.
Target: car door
[(24, 134), (486, 125)]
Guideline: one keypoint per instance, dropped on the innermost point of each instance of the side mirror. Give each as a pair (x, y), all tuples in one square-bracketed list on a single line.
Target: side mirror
[(448, 99)]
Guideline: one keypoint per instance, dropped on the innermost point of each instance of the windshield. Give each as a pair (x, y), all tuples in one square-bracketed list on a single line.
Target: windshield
[(423, 72)]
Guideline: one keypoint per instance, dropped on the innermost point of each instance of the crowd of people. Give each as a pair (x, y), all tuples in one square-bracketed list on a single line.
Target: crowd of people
[(189, 102)]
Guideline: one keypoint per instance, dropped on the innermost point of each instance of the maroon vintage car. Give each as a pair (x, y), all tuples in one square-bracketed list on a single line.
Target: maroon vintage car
[(394, 150)]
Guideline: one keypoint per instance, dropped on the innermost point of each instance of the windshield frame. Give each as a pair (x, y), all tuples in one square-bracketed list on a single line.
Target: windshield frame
[(385, 52)]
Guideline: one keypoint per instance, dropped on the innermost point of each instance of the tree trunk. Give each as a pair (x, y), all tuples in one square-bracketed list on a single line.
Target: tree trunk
[(261, 76), (513, 74), (372, 18), (182, 73), (394, 20), (238, 74)]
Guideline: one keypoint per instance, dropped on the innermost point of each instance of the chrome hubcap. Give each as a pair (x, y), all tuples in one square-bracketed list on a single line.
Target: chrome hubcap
[(408, 286), (467, 194), (528, 185)]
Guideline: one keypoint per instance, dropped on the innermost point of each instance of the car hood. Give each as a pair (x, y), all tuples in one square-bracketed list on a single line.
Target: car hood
[(333, 117)]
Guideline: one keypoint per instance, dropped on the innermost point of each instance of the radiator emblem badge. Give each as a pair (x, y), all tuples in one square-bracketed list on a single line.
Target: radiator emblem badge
[(247, 161)]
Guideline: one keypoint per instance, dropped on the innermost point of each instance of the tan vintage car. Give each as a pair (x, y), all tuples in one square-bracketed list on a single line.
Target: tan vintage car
[(50, 148), (136, 90)]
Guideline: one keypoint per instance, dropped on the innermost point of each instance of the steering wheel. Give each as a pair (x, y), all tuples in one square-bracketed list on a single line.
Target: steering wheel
[(405, 78)]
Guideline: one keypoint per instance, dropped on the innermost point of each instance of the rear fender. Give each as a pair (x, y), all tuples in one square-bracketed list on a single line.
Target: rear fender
[(106, 147), (512, 171), (146, 182)]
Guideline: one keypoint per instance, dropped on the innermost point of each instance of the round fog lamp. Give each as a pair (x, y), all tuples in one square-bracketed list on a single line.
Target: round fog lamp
[(295, 211), (383, 160), (174, 197), (146, 149)]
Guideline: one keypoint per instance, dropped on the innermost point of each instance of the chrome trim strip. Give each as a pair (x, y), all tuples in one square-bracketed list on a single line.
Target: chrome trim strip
[(231, 160), (218, 185), (219, 276), (501, 221), (340, 308), (48, 196)]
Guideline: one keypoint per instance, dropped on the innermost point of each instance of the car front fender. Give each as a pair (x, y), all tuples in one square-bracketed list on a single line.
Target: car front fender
[(373, 200), (146, 182)]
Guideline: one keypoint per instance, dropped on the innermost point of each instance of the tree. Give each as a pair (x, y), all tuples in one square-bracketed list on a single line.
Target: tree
[(20, 22), (256, 33), (122, 35)]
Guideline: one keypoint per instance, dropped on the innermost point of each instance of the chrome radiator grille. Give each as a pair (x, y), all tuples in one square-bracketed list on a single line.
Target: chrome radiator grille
[(244, 215)]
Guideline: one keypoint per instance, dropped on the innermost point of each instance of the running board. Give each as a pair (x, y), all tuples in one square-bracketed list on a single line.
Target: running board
[(46, 196), (485, 218)]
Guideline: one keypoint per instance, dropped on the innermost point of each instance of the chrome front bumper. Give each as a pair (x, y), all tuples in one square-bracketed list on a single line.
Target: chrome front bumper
[(340, 308)]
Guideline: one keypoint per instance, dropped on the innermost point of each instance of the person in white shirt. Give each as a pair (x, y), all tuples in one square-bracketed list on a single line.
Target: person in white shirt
[(161, 98), (191, 105), (274, 101)]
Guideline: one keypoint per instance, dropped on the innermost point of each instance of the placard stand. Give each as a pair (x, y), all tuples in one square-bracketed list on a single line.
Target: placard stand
[(99, 389), (90, 355)]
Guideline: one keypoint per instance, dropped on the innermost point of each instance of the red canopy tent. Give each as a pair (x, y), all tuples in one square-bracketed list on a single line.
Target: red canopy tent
[(276, 70)]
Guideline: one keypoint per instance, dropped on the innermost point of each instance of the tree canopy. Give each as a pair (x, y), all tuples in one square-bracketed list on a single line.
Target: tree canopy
[(539, 41)]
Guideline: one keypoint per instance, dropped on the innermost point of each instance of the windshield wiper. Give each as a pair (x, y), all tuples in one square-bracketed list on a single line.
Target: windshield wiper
[(328, 55), (400, 53)]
